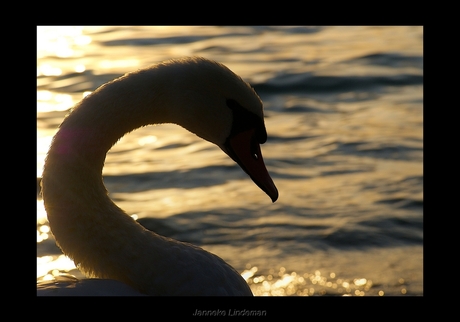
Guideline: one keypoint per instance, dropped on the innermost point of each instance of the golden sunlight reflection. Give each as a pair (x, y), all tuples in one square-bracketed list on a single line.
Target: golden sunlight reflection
[(60, 41), (48, 70), (80, 68), (49, 267), (43, 229), (121, 63), (282, 283), (149, 139), (86, 93), (41, 213), (48, 101), (43, 144)]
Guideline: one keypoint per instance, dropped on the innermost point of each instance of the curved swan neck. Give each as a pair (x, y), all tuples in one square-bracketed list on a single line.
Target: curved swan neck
[(100, 237), (85, 136), (118, 107), (74, 194)]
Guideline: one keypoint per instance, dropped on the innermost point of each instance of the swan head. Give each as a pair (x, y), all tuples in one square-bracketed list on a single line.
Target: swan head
[(218, 106)]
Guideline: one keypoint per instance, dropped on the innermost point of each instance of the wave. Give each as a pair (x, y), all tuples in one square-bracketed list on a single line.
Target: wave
[(310, 83)]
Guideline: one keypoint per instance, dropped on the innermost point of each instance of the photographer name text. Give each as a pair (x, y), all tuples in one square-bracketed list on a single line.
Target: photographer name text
[(230, 312)]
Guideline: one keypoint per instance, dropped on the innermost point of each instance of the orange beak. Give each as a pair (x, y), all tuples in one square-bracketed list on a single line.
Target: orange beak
[(244, 149)]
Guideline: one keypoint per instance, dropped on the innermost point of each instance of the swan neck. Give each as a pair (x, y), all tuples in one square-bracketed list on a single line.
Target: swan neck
[(80, 146), (101, 238), (87, 225)]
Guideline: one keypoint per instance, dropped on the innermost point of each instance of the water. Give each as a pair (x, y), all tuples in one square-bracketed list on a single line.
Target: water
[(344, 115)]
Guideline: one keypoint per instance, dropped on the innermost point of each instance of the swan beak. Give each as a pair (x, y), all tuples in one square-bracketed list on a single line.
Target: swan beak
[(245, 150)]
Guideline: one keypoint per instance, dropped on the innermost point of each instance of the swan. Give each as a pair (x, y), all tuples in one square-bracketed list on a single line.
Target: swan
[(106, 244)]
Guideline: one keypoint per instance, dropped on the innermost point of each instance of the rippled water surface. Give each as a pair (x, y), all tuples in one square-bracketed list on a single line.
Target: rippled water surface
[(344, 115)]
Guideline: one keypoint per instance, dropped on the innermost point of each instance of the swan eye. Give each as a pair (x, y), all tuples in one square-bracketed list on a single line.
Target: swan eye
[(243, 120), (233, 104)]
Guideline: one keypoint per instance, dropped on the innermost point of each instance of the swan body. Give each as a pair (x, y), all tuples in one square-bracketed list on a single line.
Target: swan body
[(71, 286), (202, 96)]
